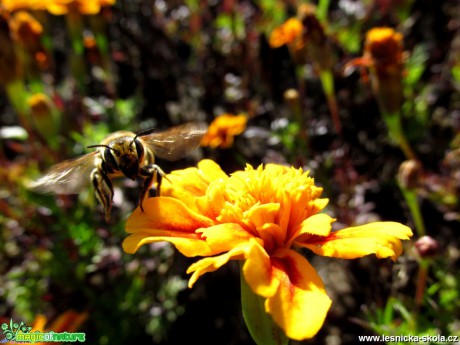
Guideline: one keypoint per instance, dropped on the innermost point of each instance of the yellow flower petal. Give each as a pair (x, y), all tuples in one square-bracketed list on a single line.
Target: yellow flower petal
[(224, 237), (257, 270), (211, 170), (39, 323), (211, 264), (380, 238), (188, 246), (259, 215), (223, 129), (264, 218), (69, 321), (318, 224), (300, 303), (190, 185), (167, 219)]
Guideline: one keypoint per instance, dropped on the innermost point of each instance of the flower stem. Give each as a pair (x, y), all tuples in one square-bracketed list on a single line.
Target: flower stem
[(98, 26), (327, 81), (77, 64), (393, 122), (323, 7), (410, 195), (421, 281), (17, 95), (260, 325)]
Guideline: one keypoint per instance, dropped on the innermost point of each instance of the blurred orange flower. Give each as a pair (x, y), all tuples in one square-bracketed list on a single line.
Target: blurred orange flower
[(58, 7), (25, 28), (70, 321), (259, 216), (15, 5), (87, 7), (384, 58), (223, 129), (286, 33), (383, 50)]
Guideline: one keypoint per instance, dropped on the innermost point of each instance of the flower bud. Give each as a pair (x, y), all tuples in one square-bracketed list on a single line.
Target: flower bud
[(384, 51), (427, 246), (291, 98), (25, 30), (318, 47), (409, 174)]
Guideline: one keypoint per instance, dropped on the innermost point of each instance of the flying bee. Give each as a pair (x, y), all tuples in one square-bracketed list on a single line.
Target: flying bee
[(122, 153)]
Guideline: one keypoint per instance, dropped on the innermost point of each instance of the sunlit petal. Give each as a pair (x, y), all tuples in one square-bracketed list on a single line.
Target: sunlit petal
[(191, 185), (69, 321), (318, 224), (380, 238), (168, 214), (224, 237), (300, 303), (258, 271), (191, 245), (167, 219), (211, 264)]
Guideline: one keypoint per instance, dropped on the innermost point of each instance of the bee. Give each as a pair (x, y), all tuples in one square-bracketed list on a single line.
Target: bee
[(122, 153)]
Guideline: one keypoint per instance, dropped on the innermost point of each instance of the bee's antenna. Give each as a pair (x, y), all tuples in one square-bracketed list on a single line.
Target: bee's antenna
[(102, 145), (148, 131)]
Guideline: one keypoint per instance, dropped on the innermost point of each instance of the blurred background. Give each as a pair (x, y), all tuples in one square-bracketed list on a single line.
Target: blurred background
[(374, 115)]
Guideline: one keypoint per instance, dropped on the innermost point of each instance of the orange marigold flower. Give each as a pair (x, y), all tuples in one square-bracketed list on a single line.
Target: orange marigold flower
[(223, 129), (14, 5), (70, 321), (57, 7), (286, 33), (25, 29), (259, 216), (384, 49), (383, 53), (86, 7)]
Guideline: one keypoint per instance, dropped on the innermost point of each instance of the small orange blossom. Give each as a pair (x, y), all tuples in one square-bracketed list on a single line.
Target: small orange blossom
[(286, 33), (25, 29), (57, 7), (259, 216), (86, 7), (69, 321), (384, 50), (223, 129)]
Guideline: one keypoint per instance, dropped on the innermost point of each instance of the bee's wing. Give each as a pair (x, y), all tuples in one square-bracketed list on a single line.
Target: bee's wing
[(176, 142), (67, 177)]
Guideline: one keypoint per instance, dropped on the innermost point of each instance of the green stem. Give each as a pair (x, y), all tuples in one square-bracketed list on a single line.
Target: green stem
[(99, 29), (421, 281), (260, 325), (393, 122), (77, 64), (410, 195), (17, 95), (327, 81), (322, 9)]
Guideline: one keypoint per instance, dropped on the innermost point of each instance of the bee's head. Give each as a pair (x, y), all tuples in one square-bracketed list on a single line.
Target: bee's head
[(124, 154)]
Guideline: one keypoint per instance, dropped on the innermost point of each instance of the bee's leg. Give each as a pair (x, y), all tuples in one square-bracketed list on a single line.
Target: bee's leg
[(104, 190), (150, 173)]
